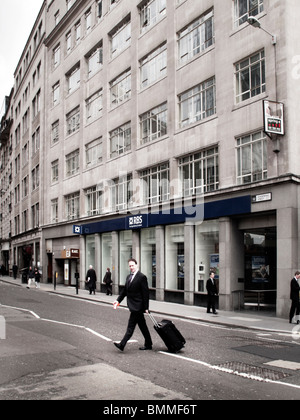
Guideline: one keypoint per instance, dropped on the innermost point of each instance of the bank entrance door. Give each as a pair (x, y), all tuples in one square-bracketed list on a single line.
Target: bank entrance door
[(260, 269)]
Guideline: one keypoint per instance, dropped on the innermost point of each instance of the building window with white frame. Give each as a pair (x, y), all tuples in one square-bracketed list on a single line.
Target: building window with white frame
[(88, 22), (93, 200), (199, 172), (120, 140), (245, 8), (99, 9), (154, 124), (55, 133), (73, 121), (56, 56), (73, 79), (93, 153), (252, 158), (72, 163), (120, 38), (95, 60), (54, 171), (197, 37), (198, 103), (54, 210), (151, 12), (121, 193), (156, 184), (94, 107), (120, 89), (77, 33), (72, 206), (56, 94), (250, 77), (154, 66)]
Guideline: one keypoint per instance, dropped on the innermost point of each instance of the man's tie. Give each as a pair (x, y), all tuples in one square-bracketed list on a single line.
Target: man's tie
[(130, 279)]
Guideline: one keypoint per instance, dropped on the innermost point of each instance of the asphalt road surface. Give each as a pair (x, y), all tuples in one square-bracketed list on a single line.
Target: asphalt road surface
[(60, 348)]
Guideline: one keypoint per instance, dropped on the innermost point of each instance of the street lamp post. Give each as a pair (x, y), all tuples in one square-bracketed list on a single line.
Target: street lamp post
[(256, 24)]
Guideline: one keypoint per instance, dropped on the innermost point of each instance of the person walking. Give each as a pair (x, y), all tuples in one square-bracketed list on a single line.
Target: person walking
[(30, 277), (212, 293), (295, 290), (91, 279), (37, 277), (137, 292), (108, 282), (15, 270)]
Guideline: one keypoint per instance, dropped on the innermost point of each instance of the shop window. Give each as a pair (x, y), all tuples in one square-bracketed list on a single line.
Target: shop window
[(206, 253), (148, 255), (125, 252), (175, 257), (106, 250)]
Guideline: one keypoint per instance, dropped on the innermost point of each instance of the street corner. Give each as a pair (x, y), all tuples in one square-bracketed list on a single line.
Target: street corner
[(2, 328)]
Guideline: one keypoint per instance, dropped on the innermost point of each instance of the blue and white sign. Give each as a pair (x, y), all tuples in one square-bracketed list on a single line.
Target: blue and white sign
[(77, 230), (137, 222)]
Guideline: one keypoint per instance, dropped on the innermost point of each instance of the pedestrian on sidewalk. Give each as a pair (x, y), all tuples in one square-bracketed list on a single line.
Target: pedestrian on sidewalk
[(30, 277), (212, 293), (295, 296), (108, 282), (137, 292), (37, 277), (15, 270), (91, 279)]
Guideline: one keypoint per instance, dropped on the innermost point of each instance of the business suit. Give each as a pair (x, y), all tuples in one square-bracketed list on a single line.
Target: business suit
[(295, 289), (212, 292), (137, 293)]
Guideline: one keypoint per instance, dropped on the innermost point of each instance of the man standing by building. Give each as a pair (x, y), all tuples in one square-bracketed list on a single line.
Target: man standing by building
[(295, 289), (212, 292), (91, 279), (137, 292)]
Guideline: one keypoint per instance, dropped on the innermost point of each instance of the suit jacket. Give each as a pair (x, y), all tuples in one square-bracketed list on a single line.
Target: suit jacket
[(137, 293), (93, 277), (211, 287), (295, 289)]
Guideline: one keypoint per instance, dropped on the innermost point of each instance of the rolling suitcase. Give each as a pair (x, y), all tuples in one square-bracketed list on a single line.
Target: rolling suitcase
[(169, 334)]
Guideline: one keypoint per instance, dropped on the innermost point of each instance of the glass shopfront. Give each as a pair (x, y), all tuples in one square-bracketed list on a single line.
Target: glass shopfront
[(106, 254), (174, 237), (125, 247), (148, 255)]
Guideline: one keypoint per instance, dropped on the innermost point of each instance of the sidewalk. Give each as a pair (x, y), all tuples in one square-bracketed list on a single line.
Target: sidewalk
[(253, 320)]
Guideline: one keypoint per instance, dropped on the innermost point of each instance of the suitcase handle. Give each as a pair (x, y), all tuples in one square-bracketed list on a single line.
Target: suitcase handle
[(153, 319)]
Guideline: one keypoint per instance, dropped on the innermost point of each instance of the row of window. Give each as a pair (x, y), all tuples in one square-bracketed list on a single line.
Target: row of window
[(198, 174)]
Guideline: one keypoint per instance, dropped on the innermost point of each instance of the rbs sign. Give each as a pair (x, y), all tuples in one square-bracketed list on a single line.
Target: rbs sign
[(137, 222)]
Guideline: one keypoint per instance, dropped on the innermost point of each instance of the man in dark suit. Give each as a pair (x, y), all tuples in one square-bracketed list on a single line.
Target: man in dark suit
[(137, 292), (212, 292), (295, 289), (91, 279)]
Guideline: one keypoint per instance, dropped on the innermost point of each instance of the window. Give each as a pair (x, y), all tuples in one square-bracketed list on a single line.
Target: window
[(55, 132), (56, 57), (154, 66), (68, 42), (245, 8), (93, 153), (95, 60), (35, 178), (151, 12), (252, 158), (94, 107), (199, 173), (54, 210), (120, 38), (72, 206), (36, 104), (121, 193), (78, 33), (99, 8), (72, 163), (54, 171), (56, 94), (73, 79), (155, 184), (250, 77), (153, 124), (93, 199), (36, 141), (198, 103), (88, 21), (196, 37), (73, 121), (120, 140), (120, 88)]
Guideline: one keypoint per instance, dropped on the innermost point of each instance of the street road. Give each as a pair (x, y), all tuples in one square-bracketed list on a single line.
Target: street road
[(62, 348)]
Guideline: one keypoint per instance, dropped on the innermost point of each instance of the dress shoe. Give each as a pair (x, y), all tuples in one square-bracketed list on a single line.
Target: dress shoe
[(146, 348), (119, 346)]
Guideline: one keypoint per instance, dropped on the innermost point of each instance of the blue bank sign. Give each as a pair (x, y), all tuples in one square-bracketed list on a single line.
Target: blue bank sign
[(137, 222)]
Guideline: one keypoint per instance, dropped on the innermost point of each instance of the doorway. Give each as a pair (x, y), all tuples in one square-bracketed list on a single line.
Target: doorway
[(260, 269)]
